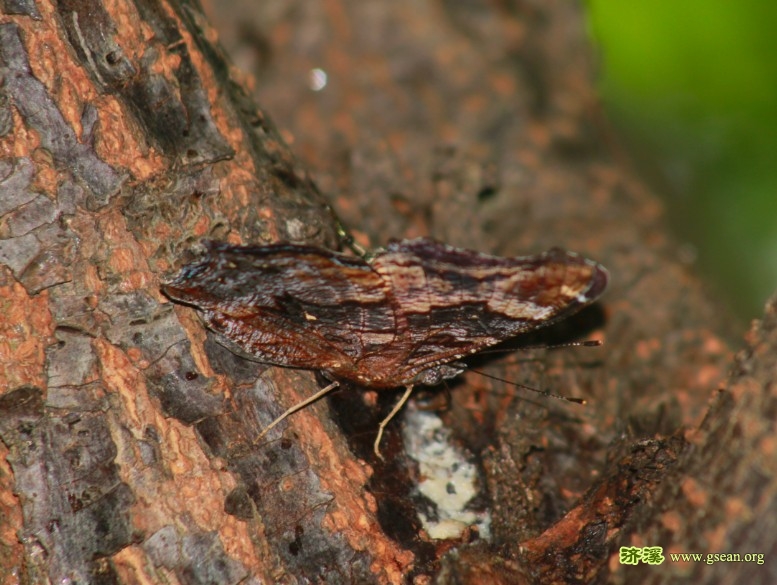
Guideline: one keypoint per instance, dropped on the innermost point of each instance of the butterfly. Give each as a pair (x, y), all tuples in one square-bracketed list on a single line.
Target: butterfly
[(401, 317)]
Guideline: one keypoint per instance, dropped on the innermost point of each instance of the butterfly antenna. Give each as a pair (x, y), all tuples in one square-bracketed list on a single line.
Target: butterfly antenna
[(545, 393), (587, 343)]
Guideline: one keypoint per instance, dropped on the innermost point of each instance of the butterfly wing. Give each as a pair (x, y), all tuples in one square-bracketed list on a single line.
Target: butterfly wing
[(397, 320), (455, 302), (295, 306)]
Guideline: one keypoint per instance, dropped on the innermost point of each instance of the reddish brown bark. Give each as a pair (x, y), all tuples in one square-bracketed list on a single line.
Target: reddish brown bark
[(128, 431)]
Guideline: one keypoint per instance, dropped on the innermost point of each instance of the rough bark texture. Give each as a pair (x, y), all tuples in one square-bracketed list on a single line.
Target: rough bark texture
[(127, 137)]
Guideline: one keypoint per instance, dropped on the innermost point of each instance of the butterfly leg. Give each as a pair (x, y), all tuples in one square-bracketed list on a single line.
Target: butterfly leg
[(298, 406), (385, 421)]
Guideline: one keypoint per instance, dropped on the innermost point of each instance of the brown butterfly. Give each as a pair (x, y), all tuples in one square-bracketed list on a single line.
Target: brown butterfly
[(401, 317)]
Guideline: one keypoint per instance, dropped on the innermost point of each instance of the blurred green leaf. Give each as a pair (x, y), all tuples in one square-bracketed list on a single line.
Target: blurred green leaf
[(693, 88)]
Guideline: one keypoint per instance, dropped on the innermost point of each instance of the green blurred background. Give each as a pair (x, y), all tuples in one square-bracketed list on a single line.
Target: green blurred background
[(692, 88)]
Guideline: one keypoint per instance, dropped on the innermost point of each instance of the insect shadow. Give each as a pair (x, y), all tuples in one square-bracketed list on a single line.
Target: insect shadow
[(358, 418)]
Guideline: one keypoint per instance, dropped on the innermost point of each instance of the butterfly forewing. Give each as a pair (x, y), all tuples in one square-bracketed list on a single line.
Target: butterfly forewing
[(456, 302)]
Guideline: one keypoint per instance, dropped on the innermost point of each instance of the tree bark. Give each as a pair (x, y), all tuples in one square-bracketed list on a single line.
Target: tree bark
[(128, 137)]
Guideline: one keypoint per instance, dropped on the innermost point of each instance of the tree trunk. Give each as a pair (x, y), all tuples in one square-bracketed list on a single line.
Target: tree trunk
[(130, 434)]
